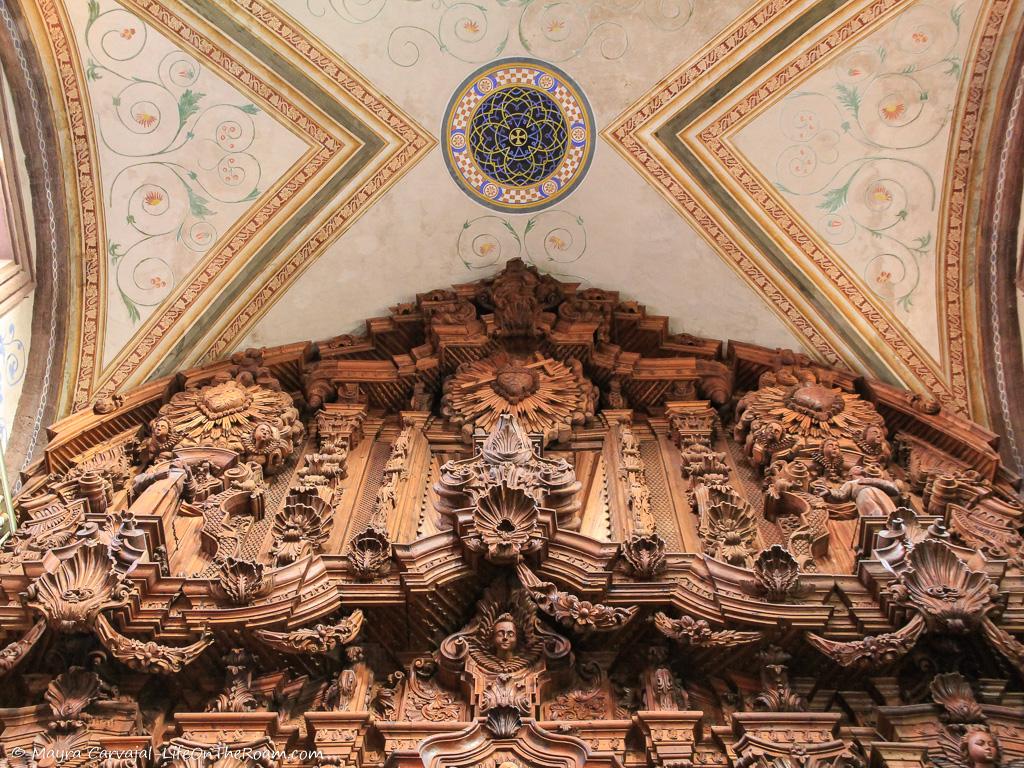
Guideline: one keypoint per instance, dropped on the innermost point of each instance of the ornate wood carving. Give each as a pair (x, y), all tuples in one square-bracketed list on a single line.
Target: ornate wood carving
[(515, 523)]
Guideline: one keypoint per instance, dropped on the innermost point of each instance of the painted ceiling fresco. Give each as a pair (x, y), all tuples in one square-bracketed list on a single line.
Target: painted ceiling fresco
[(794, 173)]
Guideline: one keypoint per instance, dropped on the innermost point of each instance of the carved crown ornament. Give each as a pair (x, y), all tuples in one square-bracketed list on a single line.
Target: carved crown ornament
[(515, 523)]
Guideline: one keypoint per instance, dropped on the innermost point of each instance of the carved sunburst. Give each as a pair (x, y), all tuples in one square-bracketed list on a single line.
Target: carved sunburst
[(812, 410), (223, 414), (544, 395)]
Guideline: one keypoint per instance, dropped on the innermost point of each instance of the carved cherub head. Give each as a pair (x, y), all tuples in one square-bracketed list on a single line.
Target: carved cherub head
[(772, 432), (505, 637), (262, 435), (160, 428), (979, 747), (873, 435), (831, 449)]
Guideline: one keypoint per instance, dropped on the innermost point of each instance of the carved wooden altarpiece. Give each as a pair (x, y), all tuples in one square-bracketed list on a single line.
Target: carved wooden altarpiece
[(516, 524)]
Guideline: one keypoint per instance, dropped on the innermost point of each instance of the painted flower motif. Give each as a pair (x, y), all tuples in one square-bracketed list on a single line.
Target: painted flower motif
[(128, 33), (557, 243), (920, 37), (186, 73), (202, 236), (485, 248), (557, 25), (802, 162), (855, 71), (152, 199), (880, 195), (807, 124), (471, 27), (884, 278), (158, 282), (145, 119), (892, 109)]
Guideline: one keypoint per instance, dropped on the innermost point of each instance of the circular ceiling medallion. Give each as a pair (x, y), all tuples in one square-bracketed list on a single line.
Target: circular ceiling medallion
[(519, 135)]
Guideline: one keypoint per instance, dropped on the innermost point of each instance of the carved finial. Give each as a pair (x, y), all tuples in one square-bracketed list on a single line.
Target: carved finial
[(508, 442)]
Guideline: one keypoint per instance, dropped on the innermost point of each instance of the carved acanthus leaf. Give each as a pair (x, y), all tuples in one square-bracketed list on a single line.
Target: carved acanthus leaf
[(148, 657), (698, 633), (319, 639), (369, 554), (505, 702), (1004, 642), (242, 581), (644, 554), (569, 610), (776, 573)]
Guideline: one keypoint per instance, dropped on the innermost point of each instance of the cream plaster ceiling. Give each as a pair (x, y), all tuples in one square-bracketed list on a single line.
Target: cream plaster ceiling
[(788, 172)]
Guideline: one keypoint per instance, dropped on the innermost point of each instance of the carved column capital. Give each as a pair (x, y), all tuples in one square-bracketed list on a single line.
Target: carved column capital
[(669, 737)]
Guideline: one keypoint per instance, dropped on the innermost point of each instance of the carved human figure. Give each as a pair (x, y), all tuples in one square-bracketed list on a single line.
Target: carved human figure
[(421, 399), (980, 748), (615, 398), (829, 459), (769, 442), (351, 392), (159, 444), (874, 446), (505, 637), (874, 495), (265, 447)]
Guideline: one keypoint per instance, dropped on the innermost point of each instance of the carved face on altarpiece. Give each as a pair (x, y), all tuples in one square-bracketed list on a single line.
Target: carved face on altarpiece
[(980, 748), (505, 637), (161, 428)]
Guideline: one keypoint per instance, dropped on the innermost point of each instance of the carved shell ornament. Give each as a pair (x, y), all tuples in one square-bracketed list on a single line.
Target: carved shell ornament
[(72, 600), (944, 596), (507, 457), (72, 596), (369, 554), (300, 527), (505, 522)]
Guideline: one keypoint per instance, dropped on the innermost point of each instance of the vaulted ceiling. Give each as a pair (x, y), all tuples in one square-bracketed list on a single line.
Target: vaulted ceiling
[(795, 173)]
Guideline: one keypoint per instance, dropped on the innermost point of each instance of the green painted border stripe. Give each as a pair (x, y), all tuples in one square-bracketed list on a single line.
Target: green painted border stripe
[(251, 271), (668, 135)]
